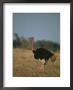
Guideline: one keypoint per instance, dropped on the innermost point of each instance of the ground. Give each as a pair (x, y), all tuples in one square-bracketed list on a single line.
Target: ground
[(25, 65)]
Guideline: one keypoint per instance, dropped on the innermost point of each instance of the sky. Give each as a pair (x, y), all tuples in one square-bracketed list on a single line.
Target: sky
[(41, 26)]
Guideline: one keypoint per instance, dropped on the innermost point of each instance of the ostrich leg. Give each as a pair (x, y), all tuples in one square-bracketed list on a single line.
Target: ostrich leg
[(41, 66)]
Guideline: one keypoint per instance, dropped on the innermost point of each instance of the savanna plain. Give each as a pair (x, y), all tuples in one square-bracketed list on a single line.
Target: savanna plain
[(25, 65)]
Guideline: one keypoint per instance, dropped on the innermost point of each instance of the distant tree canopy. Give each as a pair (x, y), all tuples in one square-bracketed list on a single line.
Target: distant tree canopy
[(21, 42)]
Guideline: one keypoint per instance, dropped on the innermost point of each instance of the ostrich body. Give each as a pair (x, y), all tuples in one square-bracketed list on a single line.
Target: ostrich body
[(42, 53)]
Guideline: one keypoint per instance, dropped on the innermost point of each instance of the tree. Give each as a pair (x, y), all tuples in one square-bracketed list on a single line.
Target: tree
[(16, 41)]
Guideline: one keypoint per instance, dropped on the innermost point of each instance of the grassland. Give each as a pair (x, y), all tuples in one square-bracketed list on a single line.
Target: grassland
[(24, 65)]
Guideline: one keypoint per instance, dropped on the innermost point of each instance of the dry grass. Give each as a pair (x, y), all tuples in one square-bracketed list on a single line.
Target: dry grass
[(24, 65)]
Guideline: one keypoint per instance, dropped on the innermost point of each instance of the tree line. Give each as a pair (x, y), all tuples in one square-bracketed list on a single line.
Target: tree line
[(21, 42)]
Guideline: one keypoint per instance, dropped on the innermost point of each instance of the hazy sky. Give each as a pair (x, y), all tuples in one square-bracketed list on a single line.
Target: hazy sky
[(38, 25)]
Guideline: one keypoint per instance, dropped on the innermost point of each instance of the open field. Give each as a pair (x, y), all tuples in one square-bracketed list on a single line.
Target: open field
[(24, 65)]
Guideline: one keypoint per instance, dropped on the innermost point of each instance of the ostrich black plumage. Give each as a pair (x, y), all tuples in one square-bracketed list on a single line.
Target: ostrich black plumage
[(43, 53)]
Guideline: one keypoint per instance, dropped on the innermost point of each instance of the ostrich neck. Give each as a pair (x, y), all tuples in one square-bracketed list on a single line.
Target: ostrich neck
[(33, 44)]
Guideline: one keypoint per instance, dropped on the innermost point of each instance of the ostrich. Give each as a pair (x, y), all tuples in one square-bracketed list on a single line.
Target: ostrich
[(43, 53)]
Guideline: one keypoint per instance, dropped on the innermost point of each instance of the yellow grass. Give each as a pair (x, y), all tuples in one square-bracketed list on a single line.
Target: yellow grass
[(24, 65)]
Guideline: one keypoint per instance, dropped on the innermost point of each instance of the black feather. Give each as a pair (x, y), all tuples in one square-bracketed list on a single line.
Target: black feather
[(42, 53)]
